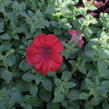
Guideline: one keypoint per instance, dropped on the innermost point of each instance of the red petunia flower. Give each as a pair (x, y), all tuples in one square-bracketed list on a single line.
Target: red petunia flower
[(44, 53)]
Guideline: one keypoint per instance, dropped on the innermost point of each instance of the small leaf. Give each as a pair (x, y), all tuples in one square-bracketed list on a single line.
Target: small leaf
[(44, 95), (7, 76), (47, 84), (53, 106), (27, 77), (105, 105), (96, 100), (103, 69), (69, 84), (73, 95), (105, 84), (1, 25), (31, 100), (52, 74), (33, 90), (83, 96), (66, 76), (11, 60), (70, 108), (92, 8), (24, 66), (2, 106), (59, 96), (38, 78), (15, 96), (5, 36), (88, 105), (58, 82)]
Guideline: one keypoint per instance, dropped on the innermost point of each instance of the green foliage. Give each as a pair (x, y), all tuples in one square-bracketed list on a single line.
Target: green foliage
[(7, 76), (83, 80)]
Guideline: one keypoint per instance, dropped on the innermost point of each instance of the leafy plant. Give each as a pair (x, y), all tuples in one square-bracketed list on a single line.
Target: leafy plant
[(82, 82)]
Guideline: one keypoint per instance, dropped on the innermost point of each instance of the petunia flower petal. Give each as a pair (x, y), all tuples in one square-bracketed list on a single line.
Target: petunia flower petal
[(30, 55), (74, 35), (53, 66), (39, 65), (57, 47), (30, 50), (80, 43), (57, 58), (38, 59), (51, 40), (44, 68), (39, 41), (30, 60)]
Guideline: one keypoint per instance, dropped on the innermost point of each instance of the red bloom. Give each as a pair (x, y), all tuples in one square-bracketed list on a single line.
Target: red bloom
[(76, 36), (98, 4), (44, 53), (80, 43)]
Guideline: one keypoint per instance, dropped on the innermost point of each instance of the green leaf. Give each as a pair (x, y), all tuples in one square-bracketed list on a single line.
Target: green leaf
[(28, 106), (105, 84), (50, 9), (88, 31), (2, 9), (5, 46), (59, 96), (96, 100), (11, 60), (1, 57), (103, 53), (58, 82), (7, 76), (73, 95), (2, 106), (27, 77), (88, 105), (89, 20), (103, 69), (64, 104), (23, 65), (53, 106), (45, 22), (33, 90), (83, 96), (66, 76), (15, 5), (44, 94), (5, 36), (70, 108), (38, 78), (52, 74), (47, 84), (105, 105), (90, 53), (69, 84), (15, 96), (104, 17), (31, 100), (66, 3), (1, 25), (92, 8), (89, 83), (22, 6), (85, 3)]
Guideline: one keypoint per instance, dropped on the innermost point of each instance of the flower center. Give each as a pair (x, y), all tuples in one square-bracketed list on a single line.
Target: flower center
[(46, 52)]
